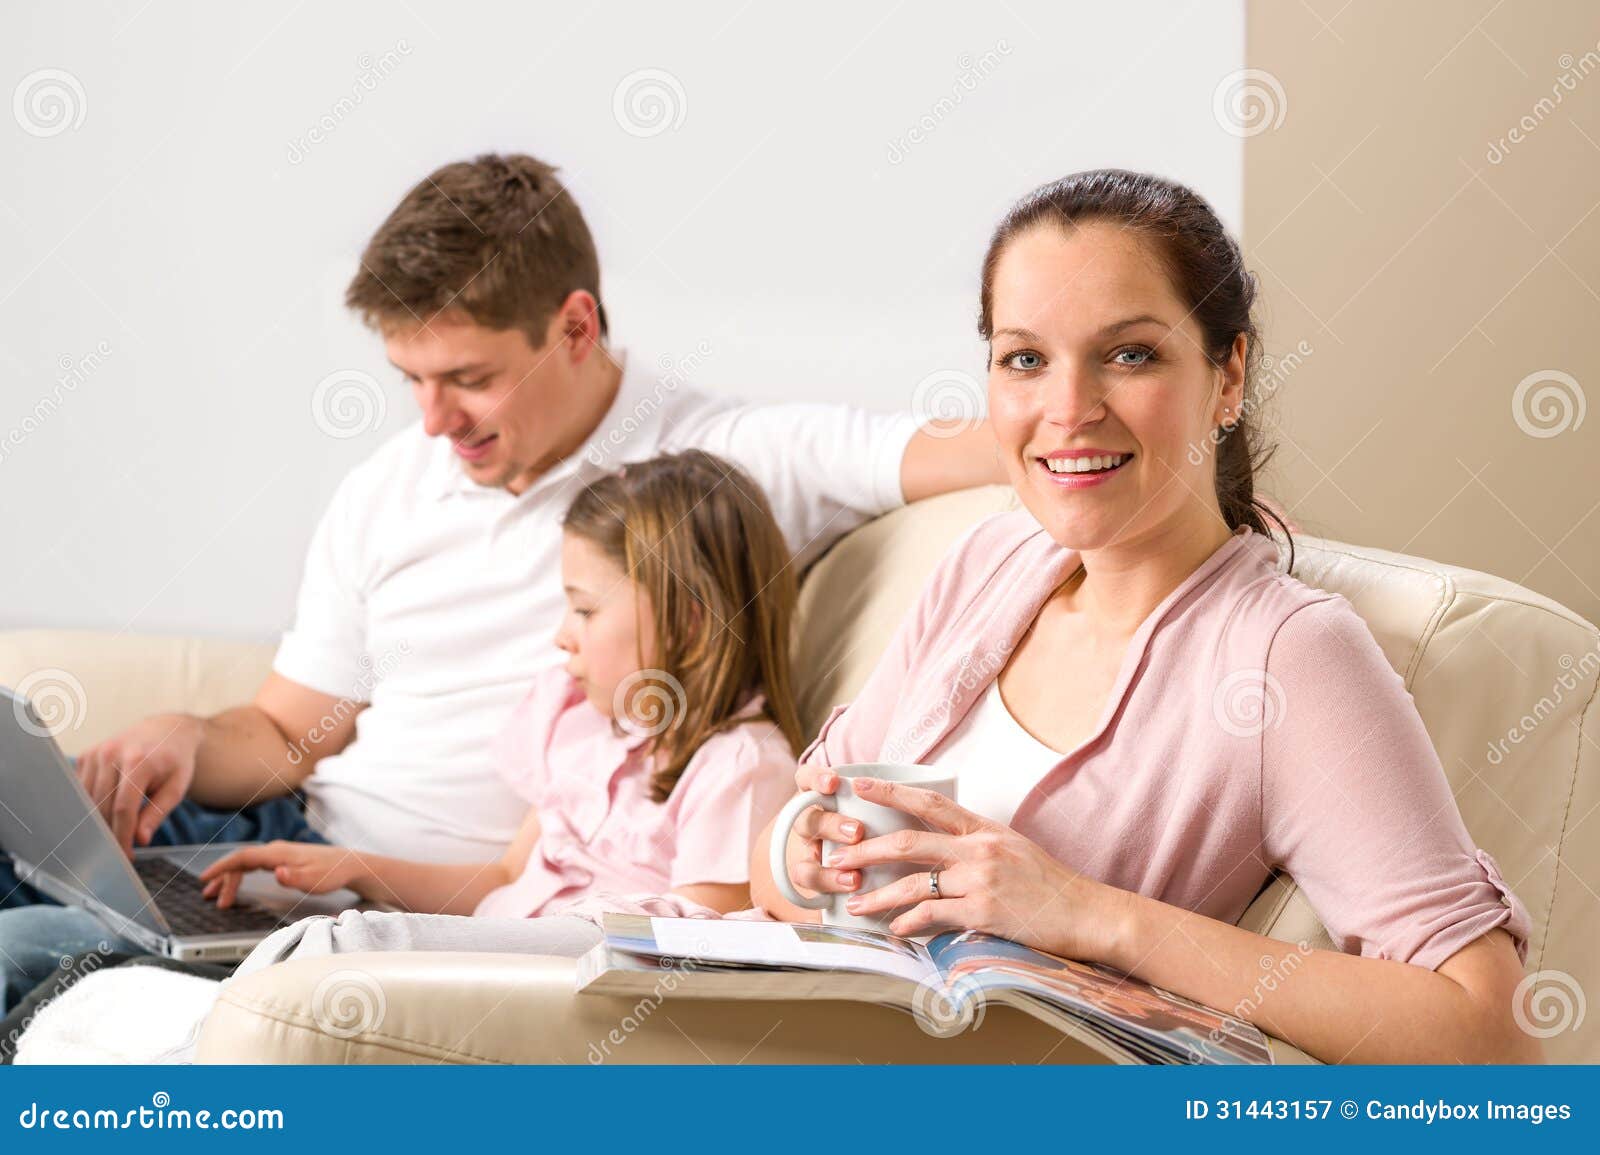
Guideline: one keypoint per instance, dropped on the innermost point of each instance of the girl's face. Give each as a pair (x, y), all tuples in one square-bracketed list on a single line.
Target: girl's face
[(1093, 355), (601, 630)]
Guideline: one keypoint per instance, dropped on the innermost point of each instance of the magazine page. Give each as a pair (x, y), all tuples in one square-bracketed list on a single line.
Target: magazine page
[(809, 946), (972, 962)]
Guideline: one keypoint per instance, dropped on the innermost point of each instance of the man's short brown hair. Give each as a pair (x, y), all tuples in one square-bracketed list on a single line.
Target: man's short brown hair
[(498, 238)]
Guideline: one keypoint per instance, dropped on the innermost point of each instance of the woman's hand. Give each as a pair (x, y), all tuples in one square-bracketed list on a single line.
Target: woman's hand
[(307, 866), (804, 851), (990, 878)]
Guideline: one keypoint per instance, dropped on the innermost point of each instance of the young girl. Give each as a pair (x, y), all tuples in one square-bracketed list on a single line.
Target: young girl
[(654, 756)]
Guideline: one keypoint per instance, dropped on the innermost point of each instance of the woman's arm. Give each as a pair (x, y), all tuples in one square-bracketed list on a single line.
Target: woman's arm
[(1337, 1007)]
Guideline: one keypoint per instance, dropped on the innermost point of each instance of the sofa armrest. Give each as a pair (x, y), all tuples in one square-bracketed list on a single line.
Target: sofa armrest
[(408, 1007)]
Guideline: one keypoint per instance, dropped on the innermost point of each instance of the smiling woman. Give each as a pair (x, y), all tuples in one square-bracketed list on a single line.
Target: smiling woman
[(1133, 598)]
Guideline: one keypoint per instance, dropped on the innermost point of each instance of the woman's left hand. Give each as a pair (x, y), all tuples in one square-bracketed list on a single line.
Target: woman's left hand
[(990, 879)]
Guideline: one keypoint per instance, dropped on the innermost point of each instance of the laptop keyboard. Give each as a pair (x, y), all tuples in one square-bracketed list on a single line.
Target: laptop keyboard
[(180, 897)]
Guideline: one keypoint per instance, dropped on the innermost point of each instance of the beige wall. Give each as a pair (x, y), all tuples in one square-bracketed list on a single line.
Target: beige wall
[(1431, 263)]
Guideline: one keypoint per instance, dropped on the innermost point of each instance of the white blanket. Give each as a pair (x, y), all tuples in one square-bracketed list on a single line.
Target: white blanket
[(129, 1014)]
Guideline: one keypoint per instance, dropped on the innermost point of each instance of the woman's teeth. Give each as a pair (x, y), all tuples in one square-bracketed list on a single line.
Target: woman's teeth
[(1084, 464)]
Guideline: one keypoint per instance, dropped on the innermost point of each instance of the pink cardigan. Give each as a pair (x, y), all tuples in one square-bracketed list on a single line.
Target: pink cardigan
[(1255, 725)]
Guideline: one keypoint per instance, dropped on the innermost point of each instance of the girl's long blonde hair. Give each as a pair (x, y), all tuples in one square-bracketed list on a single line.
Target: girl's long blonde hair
[(697, 535)]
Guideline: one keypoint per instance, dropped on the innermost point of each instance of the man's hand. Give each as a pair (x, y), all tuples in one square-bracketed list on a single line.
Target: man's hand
[(136, 778)]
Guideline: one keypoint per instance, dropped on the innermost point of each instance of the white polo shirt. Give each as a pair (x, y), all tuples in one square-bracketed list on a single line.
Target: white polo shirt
[(436, 600)]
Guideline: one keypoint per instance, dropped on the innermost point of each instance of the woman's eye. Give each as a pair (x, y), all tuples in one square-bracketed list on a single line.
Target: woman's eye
[(1141, 354), (1025, 360)]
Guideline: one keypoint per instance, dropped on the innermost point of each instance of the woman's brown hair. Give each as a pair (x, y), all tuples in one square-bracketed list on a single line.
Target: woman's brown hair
[(1207, 270), (696, 534)]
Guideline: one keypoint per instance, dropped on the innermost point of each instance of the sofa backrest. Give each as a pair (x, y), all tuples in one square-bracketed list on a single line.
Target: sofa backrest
[(1505, 681), (88, 685)]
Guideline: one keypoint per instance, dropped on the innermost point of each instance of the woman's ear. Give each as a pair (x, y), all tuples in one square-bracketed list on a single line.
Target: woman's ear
[(1230, 398)]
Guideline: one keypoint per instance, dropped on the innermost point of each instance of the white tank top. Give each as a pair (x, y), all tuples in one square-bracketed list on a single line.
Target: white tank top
[(996, 762)]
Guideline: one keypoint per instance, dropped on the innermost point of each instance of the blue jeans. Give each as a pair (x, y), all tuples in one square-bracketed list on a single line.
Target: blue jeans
[(37, 936)]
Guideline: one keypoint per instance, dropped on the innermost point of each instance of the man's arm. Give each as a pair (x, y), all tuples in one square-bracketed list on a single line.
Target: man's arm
[(228, 761), (937, 461)]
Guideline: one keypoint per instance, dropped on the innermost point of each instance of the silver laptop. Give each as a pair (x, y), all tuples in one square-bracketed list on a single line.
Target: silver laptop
[(60, 844)]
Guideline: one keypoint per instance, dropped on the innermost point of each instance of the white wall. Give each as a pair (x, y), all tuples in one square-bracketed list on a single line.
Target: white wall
[(171, 264)]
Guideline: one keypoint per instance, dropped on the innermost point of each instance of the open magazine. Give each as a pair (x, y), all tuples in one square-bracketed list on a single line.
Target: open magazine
[(944, 983)]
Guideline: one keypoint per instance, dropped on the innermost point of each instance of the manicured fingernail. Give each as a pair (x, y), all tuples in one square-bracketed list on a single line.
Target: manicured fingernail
[(850, 829), (849, 878), (833, 858), (854, 904)]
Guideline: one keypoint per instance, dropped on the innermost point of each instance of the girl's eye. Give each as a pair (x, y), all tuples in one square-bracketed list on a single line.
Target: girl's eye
[(1023, 360), (1143, 355)]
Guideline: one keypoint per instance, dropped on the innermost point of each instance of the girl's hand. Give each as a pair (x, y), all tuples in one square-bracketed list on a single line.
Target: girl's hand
[(990, 878), (804, 852), (311, 867)]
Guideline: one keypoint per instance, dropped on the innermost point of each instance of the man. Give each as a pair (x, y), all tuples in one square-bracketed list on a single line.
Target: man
[(431, 591)]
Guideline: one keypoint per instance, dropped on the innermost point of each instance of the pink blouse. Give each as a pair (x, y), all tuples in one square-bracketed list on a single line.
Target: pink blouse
[(1255, 725), (599, 830)]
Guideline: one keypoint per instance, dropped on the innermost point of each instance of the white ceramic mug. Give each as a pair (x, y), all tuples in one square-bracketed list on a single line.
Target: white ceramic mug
[(875, 821)]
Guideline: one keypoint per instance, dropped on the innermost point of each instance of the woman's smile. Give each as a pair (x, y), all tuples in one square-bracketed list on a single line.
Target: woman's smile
[(1081, 468)]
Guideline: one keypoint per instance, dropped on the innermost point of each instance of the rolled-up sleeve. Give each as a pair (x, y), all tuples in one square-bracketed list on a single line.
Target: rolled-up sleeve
[(1355, 805), (325, 647)]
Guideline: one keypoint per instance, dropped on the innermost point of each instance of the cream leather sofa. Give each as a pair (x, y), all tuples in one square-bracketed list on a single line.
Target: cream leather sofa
[(1505, 680)]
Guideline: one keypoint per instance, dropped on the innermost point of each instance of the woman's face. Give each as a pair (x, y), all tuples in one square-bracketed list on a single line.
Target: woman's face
[(1093, 355), (600, 632)]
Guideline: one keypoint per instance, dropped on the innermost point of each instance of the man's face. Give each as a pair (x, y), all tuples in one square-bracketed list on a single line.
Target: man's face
[(506, 407)]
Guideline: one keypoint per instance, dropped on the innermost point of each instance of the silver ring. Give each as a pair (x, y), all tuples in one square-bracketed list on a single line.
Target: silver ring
[(933, 882)]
